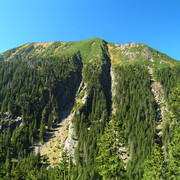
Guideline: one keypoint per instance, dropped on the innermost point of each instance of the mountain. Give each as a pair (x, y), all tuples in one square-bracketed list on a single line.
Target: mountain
[(126, 52), (95, 110)]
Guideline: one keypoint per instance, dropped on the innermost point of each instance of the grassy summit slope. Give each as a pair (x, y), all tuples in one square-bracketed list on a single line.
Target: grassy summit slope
[(90, 49), (136, 53), (87, 48)]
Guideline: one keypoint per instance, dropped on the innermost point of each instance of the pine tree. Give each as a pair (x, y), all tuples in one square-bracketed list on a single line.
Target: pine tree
[(50, 119), (109, 158), (154, 165), (8, 164), (41, 131), (173, 165)]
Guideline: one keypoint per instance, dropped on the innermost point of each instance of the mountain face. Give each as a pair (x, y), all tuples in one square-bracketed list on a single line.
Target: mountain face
[(89, 110)]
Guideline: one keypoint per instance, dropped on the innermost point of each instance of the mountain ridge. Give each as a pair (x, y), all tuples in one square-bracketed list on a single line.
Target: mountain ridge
[(57, 48), (90, 103)]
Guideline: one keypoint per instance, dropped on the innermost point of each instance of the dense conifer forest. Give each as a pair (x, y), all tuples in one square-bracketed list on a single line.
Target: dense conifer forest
[(121, 128)]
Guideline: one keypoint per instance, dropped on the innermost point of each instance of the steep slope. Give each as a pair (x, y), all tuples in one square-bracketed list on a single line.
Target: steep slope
[(136, 53), (97, 100), (158, 92), (58, 88), (87, 49), (129, 73)]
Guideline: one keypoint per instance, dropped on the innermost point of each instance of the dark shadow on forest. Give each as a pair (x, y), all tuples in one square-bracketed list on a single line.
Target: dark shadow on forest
[(65, 94)]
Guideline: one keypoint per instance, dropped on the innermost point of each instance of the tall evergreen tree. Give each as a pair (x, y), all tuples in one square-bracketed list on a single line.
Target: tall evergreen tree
[(110, 162), (42, 131)]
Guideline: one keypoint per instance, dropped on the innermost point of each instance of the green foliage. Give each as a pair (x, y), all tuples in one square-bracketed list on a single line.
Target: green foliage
[(173, 166), (136, 108), (169, 78), (165, 165), (30, 98), (42, 129), (174, 145), (175, 104), (110, 163), (39, 81), (154, 166), (90, 122)]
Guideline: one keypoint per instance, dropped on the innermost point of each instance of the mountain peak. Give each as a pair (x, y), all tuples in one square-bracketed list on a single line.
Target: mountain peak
[(119, 53)]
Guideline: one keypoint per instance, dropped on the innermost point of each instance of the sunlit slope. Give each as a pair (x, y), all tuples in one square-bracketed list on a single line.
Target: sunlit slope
[(136, 53), (89, 49)]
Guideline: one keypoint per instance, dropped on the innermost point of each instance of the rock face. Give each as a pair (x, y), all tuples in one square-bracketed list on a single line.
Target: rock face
[(71, 139), (158, 92), (57, 140), (113, 92)]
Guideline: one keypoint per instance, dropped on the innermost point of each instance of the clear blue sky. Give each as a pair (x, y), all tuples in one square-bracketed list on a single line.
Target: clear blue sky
[(152, 22)]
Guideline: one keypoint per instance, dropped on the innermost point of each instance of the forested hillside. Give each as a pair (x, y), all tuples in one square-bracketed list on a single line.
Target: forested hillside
[(123, 111)]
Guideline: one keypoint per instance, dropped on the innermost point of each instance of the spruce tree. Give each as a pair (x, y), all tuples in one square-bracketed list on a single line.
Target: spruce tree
[(42, 131), (110, 163)]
